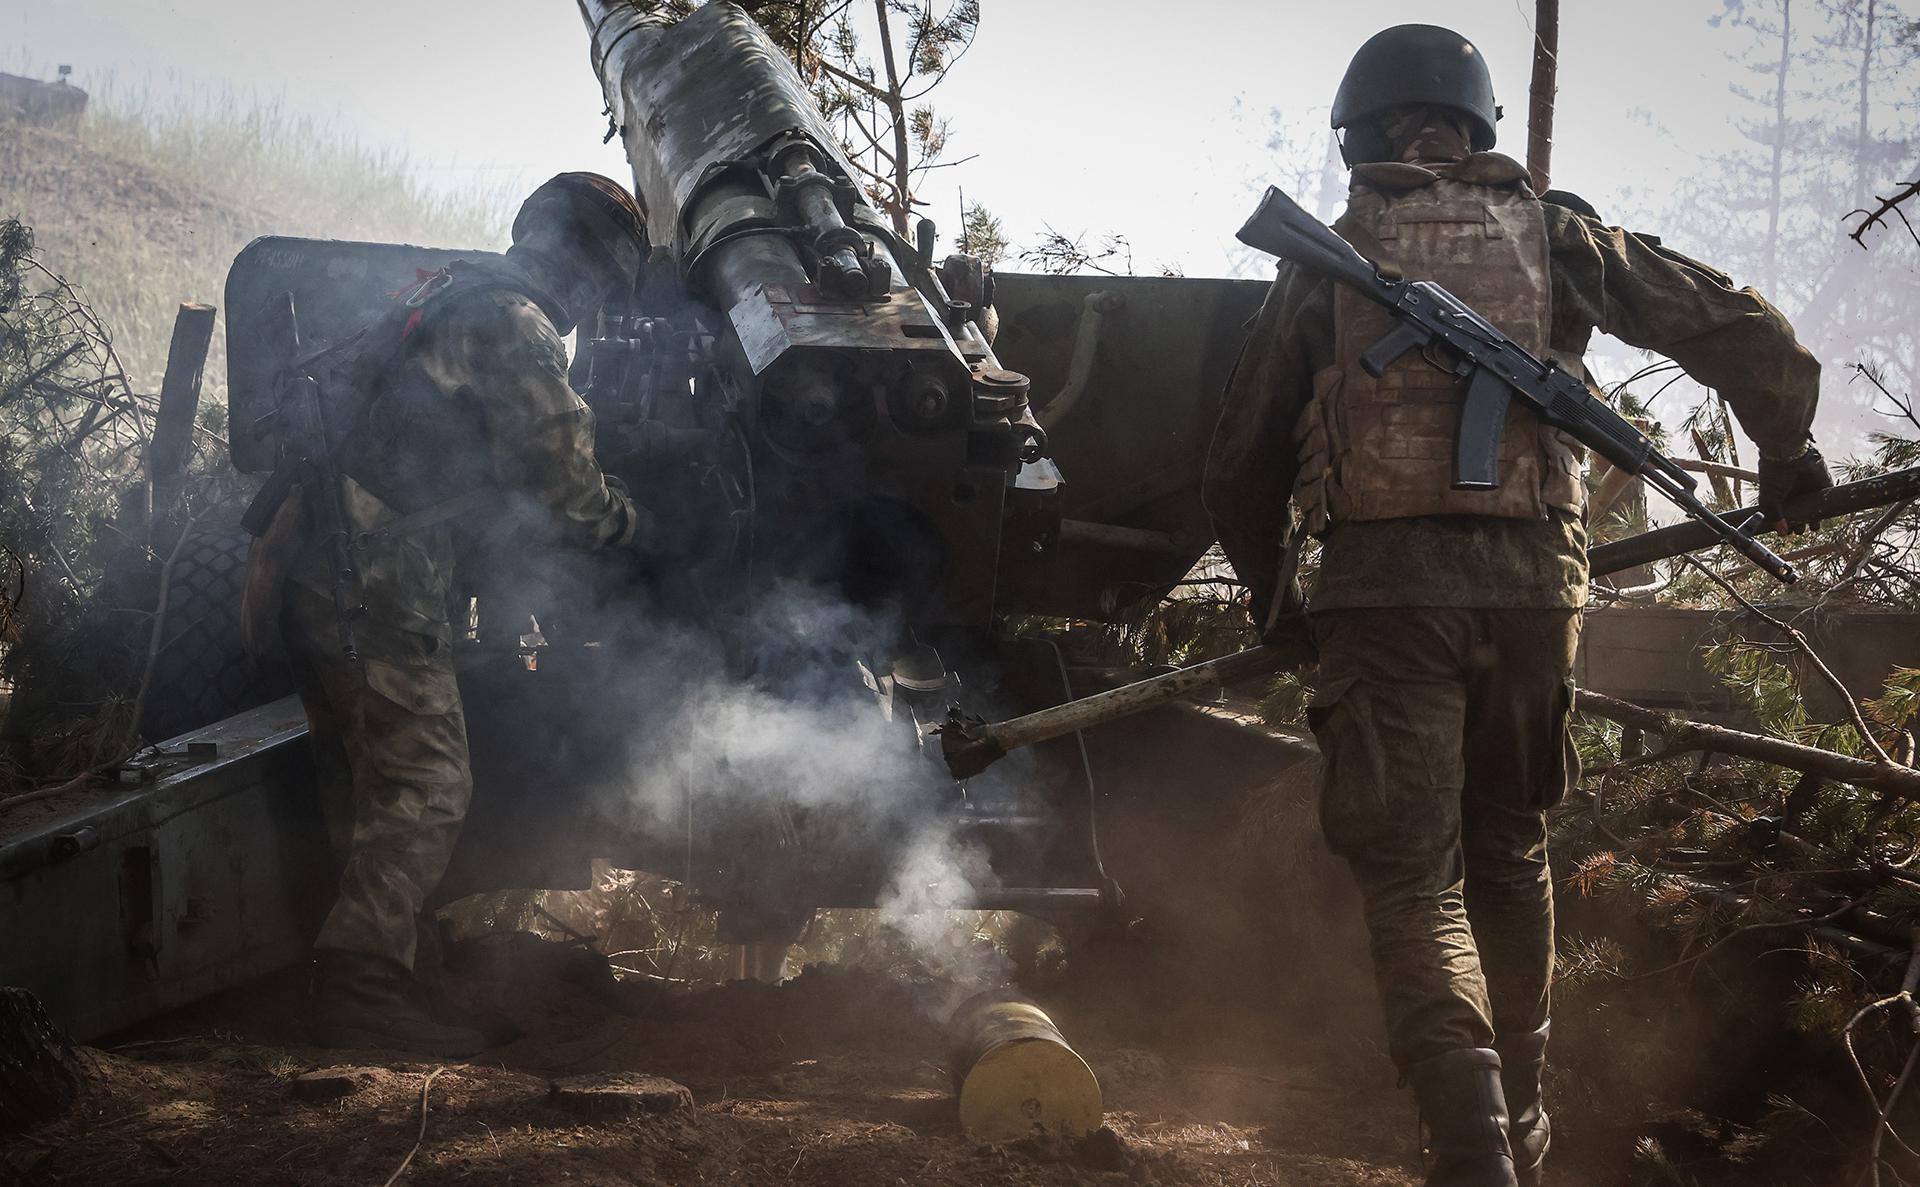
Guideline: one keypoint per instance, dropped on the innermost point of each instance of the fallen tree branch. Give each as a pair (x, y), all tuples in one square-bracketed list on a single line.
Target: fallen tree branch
[(1716, 469), (1871, 537), (1680, 733)]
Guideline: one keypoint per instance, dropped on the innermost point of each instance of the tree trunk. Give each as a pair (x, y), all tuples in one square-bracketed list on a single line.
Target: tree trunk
[(39, 1073), (1679, 733), (1779, 150), (1863, 143), (897, 109), (1546, 66)]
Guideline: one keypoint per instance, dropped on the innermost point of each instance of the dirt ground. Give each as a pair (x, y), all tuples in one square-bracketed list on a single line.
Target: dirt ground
[(835, 1077)]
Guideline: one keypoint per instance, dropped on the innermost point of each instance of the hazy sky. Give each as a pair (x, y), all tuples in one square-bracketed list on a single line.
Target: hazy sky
[(1089, 115), (1092, 116)]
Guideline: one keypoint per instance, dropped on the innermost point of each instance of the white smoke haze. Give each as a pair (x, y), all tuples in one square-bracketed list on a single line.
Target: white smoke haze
[(801, 730), (929, 872), (805, 740)]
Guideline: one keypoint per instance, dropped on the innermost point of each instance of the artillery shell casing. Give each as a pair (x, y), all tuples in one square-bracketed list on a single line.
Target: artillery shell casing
[(1015, 1075)]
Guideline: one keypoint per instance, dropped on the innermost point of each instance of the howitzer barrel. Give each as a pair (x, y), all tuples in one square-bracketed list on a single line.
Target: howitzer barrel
[(863, 392), (699, 103)]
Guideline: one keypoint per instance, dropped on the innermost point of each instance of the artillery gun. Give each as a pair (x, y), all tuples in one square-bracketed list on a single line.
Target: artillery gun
[(825, 404), (822, 402)]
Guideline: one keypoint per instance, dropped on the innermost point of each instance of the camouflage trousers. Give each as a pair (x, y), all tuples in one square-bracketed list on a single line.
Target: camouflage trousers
[(1445, 734), (390, 745)]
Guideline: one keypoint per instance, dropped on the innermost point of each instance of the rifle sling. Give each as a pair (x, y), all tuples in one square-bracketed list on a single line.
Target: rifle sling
[(426, 517)]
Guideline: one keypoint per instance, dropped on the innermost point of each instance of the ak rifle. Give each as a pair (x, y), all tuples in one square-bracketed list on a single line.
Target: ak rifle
[(1497, 371)]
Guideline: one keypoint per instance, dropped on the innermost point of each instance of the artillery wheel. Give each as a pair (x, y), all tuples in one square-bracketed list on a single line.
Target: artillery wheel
[(203, 672)]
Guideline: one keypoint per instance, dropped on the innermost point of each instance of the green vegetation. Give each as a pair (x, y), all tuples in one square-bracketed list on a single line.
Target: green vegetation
[(146, 202)]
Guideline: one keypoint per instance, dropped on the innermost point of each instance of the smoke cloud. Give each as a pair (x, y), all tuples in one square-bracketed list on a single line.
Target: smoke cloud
[(787, 732)]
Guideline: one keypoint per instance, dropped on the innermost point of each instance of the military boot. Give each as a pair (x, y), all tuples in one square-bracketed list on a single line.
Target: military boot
[(1522, 1061), (1465, 1112), (367, 1001)]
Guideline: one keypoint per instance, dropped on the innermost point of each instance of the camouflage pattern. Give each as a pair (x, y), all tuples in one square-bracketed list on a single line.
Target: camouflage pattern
[(390, 752), (1446, 736), (1603, 278), (1382, 448), (481, 399), (1446, 641)]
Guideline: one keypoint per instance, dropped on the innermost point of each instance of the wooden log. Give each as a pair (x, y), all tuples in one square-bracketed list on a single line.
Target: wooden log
[(40, 1075), (168, 452), (1015, 1075)]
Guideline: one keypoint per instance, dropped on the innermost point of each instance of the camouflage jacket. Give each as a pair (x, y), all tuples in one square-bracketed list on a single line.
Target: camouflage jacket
[(1603, 278), (477, 400)]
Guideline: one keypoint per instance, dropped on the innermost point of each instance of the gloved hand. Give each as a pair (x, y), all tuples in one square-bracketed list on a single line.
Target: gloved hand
[(1289, 629), (1292, 635), (1784, 479)]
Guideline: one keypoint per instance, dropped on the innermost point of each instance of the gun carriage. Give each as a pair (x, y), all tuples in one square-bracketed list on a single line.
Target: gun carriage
[(817, 403)]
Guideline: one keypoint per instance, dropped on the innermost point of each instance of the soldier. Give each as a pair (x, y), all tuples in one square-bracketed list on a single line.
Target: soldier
[(1446, 620), (453, 407)]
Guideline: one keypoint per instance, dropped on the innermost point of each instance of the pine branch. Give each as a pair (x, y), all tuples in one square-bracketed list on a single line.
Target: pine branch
[(1805, 648)]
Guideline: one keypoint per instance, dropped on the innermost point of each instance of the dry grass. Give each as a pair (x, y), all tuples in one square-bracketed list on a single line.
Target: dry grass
[(147, 201)]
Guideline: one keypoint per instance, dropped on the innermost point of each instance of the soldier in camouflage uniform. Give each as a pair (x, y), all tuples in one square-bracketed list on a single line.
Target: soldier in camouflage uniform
[(1446, 621), (465, 414)]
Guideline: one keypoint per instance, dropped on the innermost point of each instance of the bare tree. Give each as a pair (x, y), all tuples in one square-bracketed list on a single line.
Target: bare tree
[(1770, 210)]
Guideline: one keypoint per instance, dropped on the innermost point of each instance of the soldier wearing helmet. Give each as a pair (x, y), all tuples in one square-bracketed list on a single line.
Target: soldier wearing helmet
[(461, 414), (1446, 620)]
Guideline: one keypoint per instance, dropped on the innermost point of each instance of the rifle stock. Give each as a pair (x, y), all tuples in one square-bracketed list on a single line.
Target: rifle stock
[(1279, 227)]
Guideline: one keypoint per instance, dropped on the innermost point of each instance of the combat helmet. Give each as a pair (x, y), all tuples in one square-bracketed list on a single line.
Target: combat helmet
[(590, 219), (1418, 64)]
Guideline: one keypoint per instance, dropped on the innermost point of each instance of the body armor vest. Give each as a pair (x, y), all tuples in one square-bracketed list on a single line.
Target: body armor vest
[(1374, 449)]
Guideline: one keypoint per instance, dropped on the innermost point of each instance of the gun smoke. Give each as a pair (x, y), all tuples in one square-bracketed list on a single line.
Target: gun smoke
[(777, 744)]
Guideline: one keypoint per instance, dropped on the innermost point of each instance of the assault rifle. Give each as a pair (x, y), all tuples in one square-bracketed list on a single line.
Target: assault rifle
[(1498, 371), (299, 420)]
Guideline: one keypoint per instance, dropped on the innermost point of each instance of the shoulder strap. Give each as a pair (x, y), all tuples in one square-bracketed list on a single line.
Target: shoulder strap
[(469, 279), (426, 517), (1367, 244)]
